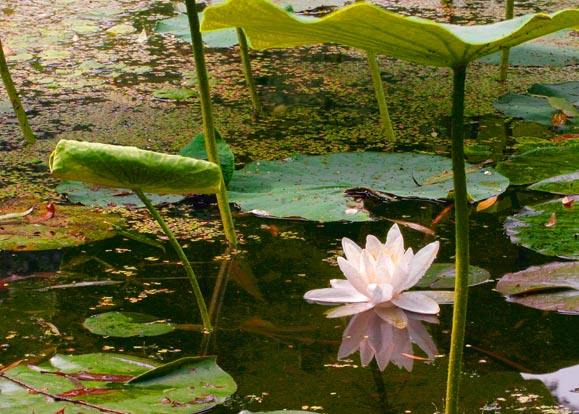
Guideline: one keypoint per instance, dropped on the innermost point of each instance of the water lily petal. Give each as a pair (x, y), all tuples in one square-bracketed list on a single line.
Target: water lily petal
[(395, 241), (373, 245), (354, 333), (380, 293), (358, 279), (368, 266), (351, 250), (385, 346), (334, 295), (420, 264), (420, 336), (385, 268), (349, 309), (393, 315), (416, 302)]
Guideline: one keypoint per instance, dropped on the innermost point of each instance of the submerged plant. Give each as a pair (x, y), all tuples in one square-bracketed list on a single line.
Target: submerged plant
[(375, 30), (140, 171)]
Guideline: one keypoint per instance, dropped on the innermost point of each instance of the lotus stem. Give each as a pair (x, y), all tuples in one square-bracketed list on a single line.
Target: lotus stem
[(504, 64), (207, 114), (461, 240), (15, 99), (380, 96), (246, 65), (207, 328)]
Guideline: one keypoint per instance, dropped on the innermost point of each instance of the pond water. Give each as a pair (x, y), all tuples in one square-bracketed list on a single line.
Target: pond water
[(281, 351)]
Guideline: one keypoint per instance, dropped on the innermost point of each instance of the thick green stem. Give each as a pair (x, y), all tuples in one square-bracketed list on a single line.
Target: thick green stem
[(504, 64), (186, 264), (15, 99), (246, 65), (207, 113), (380, 96), (462, 243)]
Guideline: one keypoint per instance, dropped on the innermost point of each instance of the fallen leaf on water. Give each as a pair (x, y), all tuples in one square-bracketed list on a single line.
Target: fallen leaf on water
[(483, 205), (559, 118), (414, 226), (567, 202), (50, 210), (552, 221)]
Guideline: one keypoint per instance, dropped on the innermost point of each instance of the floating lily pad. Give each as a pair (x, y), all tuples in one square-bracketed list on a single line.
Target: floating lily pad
[(127, 324), (562, 184), (314, 187), (533, 229), (118, 382), (553, 287), (540, 164), (69, 226), (557, 49), (443, 275), (196, 149), (101, 196), (179, 27), (537, 108)]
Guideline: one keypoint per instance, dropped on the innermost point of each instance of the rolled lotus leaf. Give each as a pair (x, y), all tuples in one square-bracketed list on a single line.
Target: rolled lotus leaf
[(368, 27), (133, 168)]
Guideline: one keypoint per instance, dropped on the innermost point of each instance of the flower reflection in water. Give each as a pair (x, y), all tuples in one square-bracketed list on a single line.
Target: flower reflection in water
[(386, 318), (379, 339)]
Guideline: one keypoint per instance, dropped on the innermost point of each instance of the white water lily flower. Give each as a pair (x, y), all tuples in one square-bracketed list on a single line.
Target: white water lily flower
[(377, 277)]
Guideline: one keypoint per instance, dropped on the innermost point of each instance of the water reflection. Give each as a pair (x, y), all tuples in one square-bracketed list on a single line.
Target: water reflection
[(562, 384), (377, 338)]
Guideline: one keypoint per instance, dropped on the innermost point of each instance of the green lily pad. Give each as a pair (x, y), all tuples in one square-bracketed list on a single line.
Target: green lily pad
[(553, 287), (368, 27), (540, 164), (127, 324), (443, 275), (196, 149), (540, 106), (102, 196), (557, 49), (188, 385), (315, 187), (532, 229), (562, 184), (179, 27), (69, 226), (133, 168)]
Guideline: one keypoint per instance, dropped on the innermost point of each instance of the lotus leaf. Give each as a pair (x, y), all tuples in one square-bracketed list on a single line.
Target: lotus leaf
[(96, 195), (127, 324), (545, 101), (179, 27), (442, 276), (534, 229), (540, 164), (133, 168), (557, 49), (111, 381), (371, 28), (315, 187), (196, 149), (554, 287)]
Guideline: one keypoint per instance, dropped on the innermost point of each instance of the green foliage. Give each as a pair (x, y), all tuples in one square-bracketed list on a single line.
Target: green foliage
[(542, 102), (179, 27), (540, 164), (373, 29), (442, 276), (131, 384), (534, 229), (315, 187), (177, 94), (196, 149), (552, 287), (133, 168), (127, 324)]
